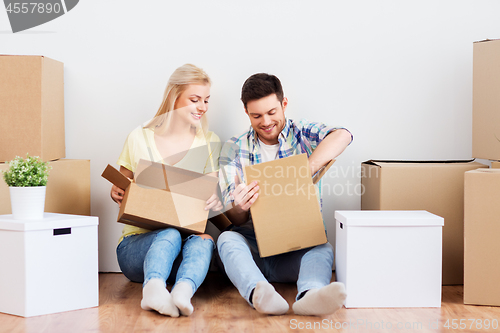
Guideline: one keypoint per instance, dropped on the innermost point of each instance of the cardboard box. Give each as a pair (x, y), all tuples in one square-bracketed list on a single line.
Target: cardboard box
[(163, 196), (495, 165), (482, 230), (68, 188), (32, 107), (52, 264), (436, 187), (389, 259), (287, 214), (486, 100)]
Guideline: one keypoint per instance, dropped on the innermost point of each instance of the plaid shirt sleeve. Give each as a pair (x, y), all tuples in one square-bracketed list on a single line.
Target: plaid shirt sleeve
[(316, 132), (230, 166)]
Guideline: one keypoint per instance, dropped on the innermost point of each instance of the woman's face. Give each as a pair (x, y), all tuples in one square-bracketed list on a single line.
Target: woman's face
[(192, 104)]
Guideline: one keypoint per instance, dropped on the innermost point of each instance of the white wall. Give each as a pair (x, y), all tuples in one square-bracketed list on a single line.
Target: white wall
[(398, 74)]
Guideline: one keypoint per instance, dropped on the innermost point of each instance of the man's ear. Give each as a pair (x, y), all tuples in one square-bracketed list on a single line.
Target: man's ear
[(284, 104), (246, 111)]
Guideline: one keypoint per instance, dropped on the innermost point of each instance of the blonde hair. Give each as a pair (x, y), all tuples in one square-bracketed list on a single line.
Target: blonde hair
[(177, 83)]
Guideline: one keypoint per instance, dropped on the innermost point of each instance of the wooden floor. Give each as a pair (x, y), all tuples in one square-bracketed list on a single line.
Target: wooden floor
[(219, 308)]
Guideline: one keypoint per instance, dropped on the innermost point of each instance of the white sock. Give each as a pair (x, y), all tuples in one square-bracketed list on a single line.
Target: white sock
[(181, 295), (155, 296), (266, 300), (320, 302)]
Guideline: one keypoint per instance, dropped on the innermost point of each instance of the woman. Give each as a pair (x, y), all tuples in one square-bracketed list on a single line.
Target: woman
[(176, 136)]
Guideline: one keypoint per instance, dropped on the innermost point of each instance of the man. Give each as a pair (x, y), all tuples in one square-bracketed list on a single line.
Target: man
[(272, 136)]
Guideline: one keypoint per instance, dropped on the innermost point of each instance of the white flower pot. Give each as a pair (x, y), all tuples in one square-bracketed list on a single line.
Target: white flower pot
[(28, 203)]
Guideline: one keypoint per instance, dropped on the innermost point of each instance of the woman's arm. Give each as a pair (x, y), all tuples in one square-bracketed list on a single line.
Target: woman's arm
[(116, 192)]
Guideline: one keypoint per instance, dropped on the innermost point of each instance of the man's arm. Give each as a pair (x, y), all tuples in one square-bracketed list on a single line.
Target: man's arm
[(329, 148), (244, 196)]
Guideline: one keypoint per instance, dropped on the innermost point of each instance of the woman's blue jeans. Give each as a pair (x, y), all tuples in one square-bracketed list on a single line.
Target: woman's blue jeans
[(161, 254)]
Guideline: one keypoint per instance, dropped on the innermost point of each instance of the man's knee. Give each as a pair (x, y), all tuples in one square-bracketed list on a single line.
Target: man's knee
[(228, 239), (326, 249)]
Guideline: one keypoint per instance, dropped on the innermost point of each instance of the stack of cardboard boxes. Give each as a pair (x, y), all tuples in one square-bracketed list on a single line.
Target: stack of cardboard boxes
[(439, 188), (482, 187), (32, 122)]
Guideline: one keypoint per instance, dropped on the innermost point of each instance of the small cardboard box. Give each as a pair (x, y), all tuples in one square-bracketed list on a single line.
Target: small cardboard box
[(287, 214), (52, 264), (389, 259), (163, 196), (68, 188), (436, 187), (31, 107), (495, 165), (482, 231), (486, 100)]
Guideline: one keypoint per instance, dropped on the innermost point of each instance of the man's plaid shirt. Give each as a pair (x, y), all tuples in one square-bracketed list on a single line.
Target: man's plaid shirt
[(295, 138)]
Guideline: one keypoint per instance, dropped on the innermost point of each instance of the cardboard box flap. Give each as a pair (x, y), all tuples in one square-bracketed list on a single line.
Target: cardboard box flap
[(287, 215), (116, 177), (176, 180), (321, 172)]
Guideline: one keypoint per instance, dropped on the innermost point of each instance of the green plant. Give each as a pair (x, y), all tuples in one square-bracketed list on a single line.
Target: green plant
[(27, 172)]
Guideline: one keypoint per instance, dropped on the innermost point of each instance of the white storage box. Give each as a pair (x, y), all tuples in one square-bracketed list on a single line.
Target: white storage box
[(48, 265), (389, 259)]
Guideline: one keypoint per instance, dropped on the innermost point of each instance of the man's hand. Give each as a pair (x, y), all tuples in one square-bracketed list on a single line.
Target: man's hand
[(117, 195), (244, 195), (214, 203)]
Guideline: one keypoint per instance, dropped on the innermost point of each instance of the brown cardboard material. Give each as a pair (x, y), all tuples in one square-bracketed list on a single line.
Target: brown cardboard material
[(68, 188), (433, 186), (486, 100), (287, 215), (482, 227), (164, 196), (32, 107), (495, 165)]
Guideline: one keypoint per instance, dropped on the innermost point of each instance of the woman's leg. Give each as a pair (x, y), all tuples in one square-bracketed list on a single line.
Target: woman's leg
[(148, 258), (196, 256)]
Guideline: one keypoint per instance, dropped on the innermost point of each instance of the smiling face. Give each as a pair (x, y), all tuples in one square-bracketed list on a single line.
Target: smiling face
[(267, 116), (192, 103)]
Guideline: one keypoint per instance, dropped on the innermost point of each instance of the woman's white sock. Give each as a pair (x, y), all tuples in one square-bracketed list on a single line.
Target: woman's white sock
[(155, 296), (181, 295)]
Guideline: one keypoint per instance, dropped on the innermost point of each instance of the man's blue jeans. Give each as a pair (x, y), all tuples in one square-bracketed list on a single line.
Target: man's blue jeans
[(311, 268), (157, 254)]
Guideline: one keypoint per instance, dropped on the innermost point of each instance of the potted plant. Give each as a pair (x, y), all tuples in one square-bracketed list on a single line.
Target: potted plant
[(27, 180)]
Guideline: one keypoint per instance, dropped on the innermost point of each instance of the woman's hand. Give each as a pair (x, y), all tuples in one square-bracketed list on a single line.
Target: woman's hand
[(214, 203), (117, 195)]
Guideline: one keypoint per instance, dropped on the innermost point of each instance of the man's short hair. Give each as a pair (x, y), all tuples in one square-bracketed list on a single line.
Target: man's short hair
[(261, 85)]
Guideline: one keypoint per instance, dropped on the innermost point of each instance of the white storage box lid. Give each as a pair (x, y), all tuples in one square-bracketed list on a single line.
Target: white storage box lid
[(49, 221), (386, 218)]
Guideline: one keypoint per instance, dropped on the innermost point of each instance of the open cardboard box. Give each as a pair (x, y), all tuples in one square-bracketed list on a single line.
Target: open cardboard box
[(164, 196), (287, 214)]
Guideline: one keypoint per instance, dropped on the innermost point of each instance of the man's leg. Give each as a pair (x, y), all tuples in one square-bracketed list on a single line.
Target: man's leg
[(316, 295), (236, 256)]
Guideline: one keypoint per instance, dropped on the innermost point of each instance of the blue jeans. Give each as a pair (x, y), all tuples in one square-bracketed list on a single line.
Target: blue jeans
[(311, 268), (157, 254)]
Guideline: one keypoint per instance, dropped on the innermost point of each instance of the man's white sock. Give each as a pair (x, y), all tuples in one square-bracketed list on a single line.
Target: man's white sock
[(155, 296), (323, 301), (181, 295), (266, 300)]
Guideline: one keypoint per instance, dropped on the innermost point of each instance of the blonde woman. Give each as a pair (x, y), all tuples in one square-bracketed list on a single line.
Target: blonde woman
[(176, 136)]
